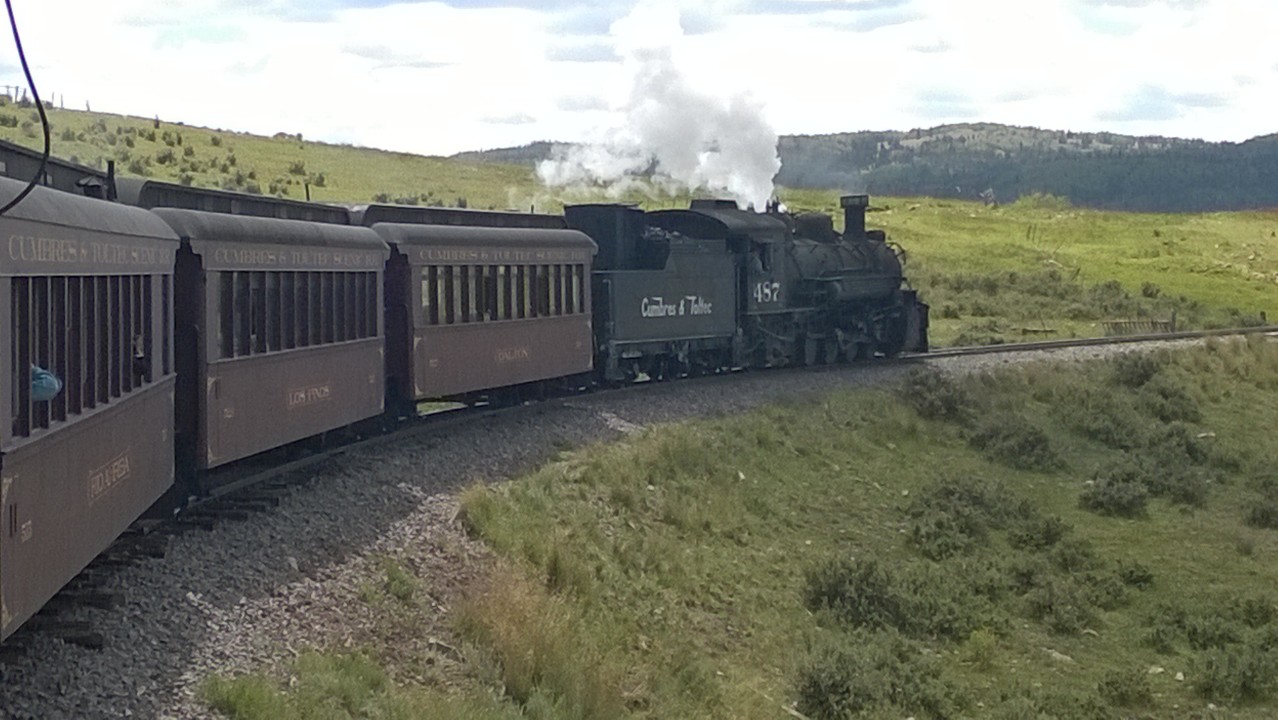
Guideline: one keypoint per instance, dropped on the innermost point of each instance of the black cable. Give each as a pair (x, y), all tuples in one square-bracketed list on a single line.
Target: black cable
[(44, 119)]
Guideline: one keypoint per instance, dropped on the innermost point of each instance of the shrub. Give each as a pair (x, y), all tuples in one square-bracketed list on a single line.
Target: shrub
[(1115, 496), (215, 141), (1042, 201), (1038, 532), (872, 671), (1128, 688), (955, 515), (1211, 631), (1166, 398), (140, 165), (980, 649), (1108, 418), (1016, 442), (1254, 611), (1180, 484), (1062, 605), (7, 120), (924, 601), (297, 168), (1074, 555), (936, 396), (1134, 369), (1161, 639), (1104, 590), (859, 593), (1235, 673), (1135, 575), (1176, 443), (1264, 513), (165, 156)]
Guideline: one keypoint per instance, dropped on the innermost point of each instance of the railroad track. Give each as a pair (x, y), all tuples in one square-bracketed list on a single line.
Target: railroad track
[(260, 489)]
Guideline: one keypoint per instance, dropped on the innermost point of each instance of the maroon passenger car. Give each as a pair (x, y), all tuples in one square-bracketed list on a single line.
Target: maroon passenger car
[(474, 309), (279, 331), (86, 287)]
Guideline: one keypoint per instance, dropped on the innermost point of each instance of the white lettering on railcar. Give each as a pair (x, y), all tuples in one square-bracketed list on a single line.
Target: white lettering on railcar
[(29, 248), (657, 307), (102, 479), (513, 354), (309, 395)]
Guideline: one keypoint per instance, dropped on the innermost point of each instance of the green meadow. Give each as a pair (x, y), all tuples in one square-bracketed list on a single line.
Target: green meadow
[(1095, 540)]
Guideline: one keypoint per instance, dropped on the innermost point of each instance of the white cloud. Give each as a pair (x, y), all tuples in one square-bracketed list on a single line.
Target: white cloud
[(427, 76)]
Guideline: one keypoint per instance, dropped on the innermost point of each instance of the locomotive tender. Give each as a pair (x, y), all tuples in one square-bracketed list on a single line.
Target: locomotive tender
[(193, 329)]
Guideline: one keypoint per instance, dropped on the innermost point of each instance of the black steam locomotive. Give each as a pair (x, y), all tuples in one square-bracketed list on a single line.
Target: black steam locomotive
[(688, 291)]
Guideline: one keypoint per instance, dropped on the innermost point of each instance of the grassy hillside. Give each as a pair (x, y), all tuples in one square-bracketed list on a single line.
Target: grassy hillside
[(1084, 541), (276, 166)]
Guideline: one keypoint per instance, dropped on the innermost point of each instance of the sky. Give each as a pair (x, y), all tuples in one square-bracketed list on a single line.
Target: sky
[(442, 77)]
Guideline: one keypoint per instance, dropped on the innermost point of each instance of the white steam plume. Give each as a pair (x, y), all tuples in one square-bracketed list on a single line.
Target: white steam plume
[(673, 137)]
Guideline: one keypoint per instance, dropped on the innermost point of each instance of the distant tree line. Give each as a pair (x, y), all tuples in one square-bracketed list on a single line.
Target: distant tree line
[(1101, 170), (1092, 170)]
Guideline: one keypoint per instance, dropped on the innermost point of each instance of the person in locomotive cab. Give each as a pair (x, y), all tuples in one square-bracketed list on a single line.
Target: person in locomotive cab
[(44, 385)]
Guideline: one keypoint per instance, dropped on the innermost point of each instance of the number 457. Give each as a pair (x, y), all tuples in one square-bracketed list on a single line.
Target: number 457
[(767, 292)]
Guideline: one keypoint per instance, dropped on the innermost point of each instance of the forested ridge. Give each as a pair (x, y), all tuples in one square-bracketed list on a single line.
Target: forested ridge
[(1102, 170)]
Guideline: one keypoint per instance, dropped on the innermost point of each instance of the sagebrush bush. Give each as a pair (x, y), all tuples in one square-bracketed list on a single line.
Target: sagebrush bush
[(1127, 688), (859, 593), (1017, 442), (1038, 532), (1108, 418), (955, 515), (1061, 604), (1135, 574), (866, 672), (936, 396), (1167, 398), (921, 601), (1115, 496), (1074, 555), (1211, 631), (1235, 673), (1134, 369), (1263, 513)]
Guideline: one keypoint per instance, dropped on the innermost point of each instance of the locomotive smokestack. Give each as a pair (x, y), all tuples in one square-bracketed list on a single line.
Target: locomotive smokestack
[(854, 215)]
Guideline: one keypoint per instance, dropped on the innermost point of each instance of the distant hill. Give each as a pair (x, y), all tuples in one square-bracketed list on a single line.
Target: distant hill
[(1103, 170)]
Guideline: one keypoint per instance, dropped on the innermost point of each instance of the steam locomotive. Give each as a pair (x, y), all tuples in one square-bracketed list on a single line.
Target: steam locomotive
[(193, 330), (715, 287)]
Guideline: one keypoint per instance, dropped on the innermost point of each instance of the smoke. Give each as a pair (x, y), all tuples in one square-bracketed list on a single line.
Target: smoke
[(674, 138)]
